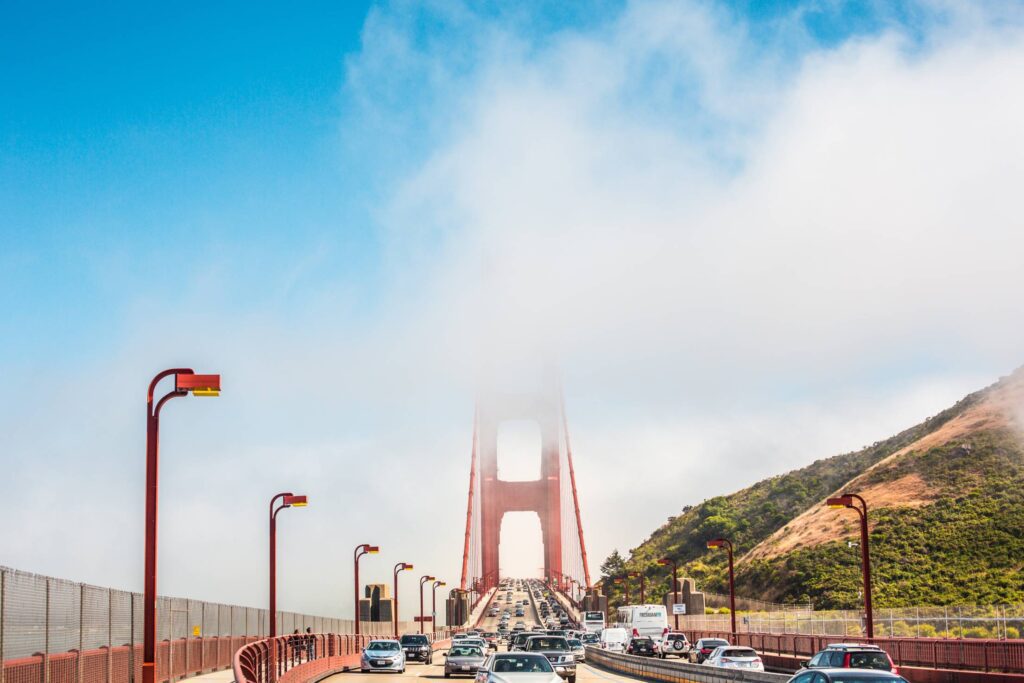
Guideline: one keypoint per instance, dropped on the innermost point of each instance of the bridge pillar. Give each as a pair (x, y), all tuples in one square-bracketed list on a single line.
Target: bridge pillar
[(542, 495)]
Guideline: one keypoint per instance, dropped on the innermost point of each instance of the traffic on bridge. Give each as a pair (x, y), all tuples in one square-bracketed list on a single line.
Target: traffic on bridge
[(512, 341)]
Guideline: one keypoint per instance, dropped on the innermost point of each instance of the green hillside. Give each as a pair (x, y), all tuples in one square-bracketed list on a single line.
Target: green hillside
[(963, 545)]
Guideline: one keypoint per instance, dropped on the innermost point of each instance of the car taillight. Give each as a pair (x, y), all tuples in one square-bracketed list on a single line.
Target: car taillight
[(726, 659), (895, 670), (846, 661), (757, 660)]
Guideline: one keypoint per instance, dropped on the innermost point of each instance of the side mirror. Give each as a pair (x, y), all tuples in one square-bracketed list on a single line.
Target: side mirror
[(806, 663)]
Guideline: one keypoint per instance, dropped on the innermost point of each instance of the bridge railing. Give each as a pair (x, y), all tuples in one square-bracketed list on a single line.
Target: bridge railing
[(58, 631), (970, 654), (298, 658)]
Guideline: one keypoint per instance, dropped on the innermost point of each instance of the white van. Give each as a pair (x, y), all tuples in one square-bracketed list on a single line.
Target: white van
[(614, 639), (649, 621), (593, 622)]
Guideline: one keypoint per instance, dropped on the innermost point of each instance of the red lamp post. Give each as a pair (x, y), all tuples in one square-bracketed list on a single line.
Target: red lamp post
[(723, 543), (288, 500), (665, 562), (400, 567), (185, 381), (363, 549), (850, 500), (423, 579), (433, 604)]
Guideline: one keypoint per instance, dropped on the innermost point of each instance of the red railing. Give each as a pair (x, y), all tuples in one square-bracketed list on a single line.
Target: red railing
[(174, 659), (293, 659), (966, 654)]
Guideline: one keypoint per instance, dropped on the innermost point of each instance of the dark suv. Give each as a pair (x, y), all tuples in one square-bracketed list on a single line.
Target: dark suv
[(417, 647), (852, 656), (643, 647)]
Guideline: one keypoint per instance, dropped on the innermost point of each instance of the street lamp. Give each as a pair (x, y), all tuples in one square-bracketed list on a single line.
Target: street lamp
[(433, 604), (426, 578), (665, 562), (643, 595), (288, 500), (185, 381), (723, 543), (364, 549), (400, 567), (849, 500)]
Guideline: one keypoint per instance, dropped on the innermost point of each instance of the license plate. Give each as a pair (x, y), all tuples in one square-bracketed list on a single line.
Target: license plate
[(465, 668), (381, 662)]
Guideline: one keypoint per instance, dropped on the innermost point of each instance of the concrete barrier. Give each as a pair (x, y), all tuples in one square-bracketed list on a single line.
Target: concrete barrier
[(674, 670)]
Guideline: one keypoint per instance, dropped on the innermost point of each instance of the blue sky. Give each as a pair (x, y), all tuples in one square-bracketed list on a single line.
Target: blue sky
[(755, 233)]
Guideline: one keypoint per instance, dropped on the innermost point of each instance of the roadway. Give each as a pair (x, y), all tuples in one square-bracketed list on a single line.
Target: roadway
[(416, 671)]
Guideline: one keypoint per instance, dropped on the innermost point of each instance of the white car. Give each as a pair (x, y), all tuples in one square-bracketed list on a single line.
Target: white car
[(735, 657), (517, 667), (383, 655), (674, 644), (614, 639)]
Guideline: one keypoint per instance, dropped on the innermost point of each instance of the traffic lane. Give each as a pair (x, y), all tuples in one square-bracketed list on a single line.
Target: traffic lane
[(415, 671)]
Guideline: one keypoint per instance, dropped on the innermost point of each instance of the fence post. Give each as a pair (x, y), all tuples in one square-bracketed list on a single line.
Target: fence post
[(81, 632), (46, 636), (110, 636), (3, 581)]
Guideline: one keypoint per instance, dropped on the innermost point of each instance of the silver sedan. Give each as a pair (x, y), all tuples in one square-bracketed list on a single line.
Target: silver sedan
[(463, 659)]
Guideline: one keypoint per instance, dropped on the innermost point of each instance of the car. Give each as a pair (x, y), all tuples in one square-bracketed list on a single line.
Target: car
[(734, 657), (519, 639), (517, 667), (463, 659), (614, 639), (591, 639), (852, 656), (475, 640), (674, 644), (579, 651), (417, 646), (491, 638), (704, 647), (558, 652), (642, 647), (382, 655), (845, 675)]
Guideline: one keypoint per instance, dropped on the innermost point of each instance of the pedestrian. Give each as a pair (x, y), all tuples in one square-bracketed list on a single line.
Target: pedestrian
[(295, 642), (310, 644)]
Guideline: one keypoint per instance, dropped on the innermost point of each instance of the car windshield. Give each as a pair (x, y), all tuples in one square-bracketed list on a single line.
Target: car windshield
[(713, 643), (642, 641), (738, 652), (869, 660), (593, 616), (547, 644), (575, 643), (382, 646), (415, 640), (854, 678), (521, 664), (465, 651)]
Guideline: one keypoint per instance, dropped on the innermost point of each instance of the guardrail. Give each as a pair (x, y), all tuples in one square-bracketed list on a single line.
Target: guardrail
[(965, 654), (301, 658), (675, 671)]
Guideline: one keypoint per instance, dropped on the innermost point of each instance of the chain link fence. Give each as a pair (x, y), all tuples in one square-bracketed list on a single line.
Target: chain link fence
[(963, 621), (58, 631)]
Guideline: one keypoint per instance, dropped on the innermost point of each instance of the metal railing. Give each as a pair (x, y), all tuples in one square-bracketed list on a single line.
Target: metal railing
[(288, 659), (58, 631), (673, 671), (966, 654)]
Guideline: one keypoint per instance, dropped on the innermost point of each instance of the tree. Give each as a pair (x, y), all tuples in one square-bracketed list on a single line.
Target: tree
[(615, 565)]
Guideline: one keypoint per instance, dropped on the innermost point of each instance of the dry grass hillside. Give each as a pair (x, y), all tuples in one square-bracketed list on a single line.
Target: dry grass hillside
[(947, 502)]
